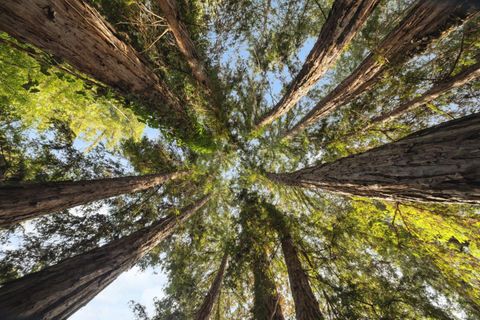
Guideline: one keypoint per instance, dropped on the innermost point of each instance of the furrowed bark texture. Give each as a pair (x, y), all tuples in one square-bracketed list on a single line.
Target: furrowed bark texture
[(205, 309), (58, 291), (267, 301), (344, 21), (439, 164), (426, 21), (75, 32), (306, 305), (23, 201)]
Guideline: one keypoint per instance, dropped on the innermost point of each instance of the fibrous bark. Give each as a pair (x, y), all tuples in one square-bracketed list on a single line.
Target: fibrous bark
[(58, 291), (267, 301), (344, 21), (75, 32), (439, 164), (426, 21), (205, 309), (306, 305), (23, 201)]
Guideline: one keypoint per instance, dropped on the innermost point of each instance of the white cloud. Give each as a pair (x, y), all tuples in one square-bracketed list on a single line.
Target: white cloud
[(112, 303)]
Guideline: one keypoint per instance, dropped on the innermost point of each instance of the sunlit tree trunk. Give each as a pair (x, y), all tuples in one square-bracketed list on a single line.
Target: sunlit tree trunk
[(206, 308), (56, 292), (426, 21), (75, 32), (344, 21), (434, 92), (439, 164), (23, 201), (267, 303), (306, 305)]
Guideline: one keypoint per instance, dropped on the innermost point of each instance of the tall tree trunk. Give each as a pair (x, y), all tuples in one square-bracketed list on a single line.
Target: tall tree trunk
[(267, 301), (306, 305), (344, 21), (23, 201), (439, 164), (426, 21), (206, 308), (434, 92), (184, 42), (467, 75), (58, 291), (75, 32), (187, 48)]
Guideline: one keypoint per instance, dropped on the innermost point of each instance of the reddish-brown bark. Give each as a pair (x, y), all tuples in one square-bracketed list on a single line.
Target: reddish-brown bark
[(23, 201), (205, 309), (426, 21), (58, 291), (306, 305), (344, 21), (439, 164), (75, 32)]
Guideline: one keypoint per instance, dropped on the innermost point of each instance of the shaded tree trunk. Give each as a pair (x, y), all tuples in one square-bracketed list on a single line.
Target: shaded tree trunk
[(426, 21), (58, 291), (306, 305), (267, 301), (23, 201), (184, 42), (75, 32), (187, 48), (206, 308), (344, 21), (439, 164)]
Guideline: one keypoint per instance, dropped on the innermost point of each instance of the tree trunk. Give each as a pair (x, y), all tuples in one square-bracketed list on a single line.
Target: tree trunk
[(344, 21), (306, 305), (205, 309), (267, 301), (187, 48), (434, 92), (58, 291), (74, 31), (439, 164), (184, 42), (23, 201), (426, 21)]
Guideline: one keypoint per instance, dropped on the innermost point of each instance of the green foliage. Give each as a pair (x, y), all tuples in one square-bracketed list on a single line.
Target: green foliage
[(365, 259)]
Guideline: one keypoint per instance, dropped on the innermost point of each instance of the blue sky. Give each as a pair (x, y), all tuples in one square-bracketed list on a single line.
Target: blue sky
[(113, 302)]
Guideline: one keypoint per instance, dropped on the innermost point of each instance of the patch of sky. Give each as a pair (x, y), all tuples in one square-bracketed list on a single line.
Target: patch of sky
[(114, 301)]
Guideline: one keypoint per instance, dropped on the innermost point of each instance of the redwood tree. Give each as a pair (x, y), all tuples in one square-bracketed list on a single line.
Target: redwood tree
[(426, 21), (438, 164), (306, 305), (74, 31), (56, 292), (205, 310), (344, 21), (23, 201)]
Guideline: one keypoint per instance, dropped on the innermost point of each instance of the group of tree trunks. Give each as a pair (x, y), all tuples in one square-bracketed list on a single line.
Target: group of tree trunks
[(439, 164), (56, 292), (426, 21), (344, 21)]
